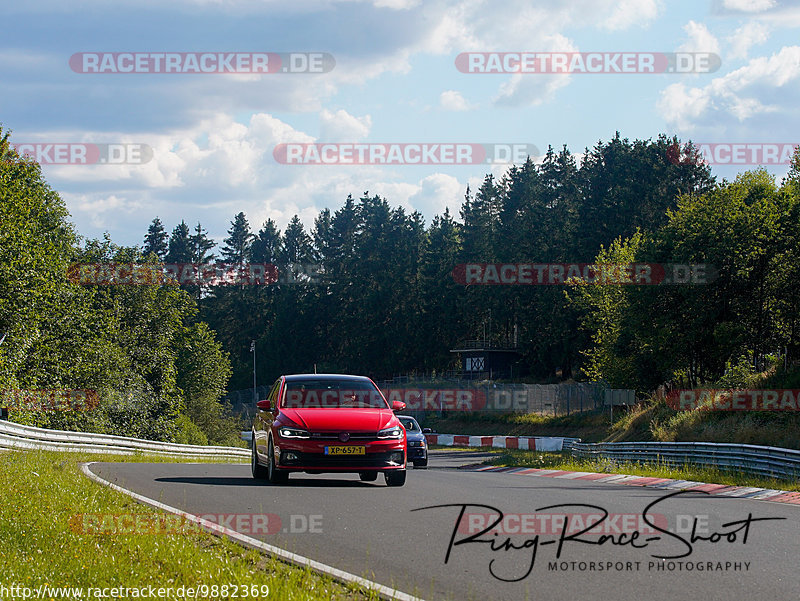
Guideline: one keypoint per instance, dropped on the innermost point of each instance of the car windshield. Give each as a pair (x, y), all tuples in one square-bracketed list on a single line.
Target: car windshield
[(409, 424), (327, 394)]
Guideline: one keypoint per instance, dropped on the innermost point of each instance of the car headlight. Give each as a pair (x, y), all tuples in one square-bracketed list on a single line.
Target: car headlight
[(416, 443), (286, 432), (393, 432)]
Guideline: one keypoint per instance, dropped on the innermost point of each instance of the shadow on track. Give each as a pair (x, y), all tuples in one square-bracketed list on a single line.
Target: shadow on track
[(250, 482)]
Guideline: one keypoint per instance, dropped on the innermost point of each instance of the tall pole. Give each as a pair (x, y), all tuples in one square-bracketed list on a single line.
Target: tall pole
[(253, 350)]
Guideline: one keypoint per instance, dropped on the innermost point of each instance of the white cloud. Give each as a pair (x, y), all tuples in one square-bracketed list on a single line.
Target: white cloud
[(747, 92), (521, 24), (700, 39), (216, 153), (415, 28), (680, 106), (397, 4), (749, 35), (219, 167), (452, 100), (100, 208), (521, 89), (512, 25), (628, 13), (749, 6), (437, 192), (341, 126)]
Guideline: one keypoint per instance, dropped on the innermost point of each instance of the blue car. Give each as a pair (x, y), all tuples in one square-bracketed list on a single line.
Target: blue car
[(416, 445)]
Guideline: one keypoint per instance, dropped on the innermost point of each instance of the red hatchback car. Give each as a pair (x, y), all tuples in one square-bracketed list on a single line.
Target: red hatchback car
[(319, 423)]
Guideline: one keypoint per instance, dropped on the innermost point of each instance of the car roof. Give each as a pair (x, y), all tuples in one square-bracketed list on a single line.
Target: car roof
[(339, 377)]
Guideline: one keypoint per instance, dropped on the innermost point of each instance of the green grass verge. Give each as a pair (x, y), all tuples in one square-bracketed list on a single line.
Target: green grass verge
[(564, 461), (39, 493)]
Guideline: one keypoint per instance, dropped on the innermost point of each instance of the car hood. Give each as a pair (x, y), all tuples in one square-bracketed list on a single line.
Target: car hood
[(414, 435), (346, 419)]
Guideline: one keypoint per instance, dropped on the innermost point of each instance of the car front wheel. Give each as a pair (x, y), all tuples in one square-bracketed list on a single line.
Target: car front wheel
[(259, 471), (395, 478), (275, 475)]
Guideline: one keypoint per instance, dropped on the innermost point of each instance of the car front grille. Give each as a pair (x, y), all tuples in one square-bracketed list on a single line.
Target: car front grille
[(335, 435)]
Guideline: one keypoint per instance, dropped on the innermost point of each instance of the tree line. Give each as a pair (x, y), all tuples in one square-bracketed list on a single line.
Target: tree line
[(386, 301), (158, 370)]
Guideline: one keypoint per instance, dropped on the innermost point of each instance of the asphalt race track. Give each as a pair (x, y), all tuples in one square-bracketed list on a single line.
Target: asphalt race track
[(373, 531)]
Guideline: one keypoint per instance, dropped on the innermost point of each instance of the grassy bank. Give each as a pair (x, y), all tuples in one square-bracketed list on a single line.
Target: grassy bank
[(656, 421), (652, 420), (649, 421), (589, 426), (41, 491)]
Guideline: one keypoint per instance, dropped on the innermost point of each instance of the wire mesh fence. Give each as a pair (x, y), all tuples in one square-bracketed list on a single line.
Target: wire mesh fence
[(447, 396)]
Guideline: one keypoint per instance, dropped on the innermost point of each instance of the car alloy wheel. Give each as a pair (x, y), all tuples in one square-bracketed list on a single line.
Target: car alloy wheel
[(259, 471), (275, 475)]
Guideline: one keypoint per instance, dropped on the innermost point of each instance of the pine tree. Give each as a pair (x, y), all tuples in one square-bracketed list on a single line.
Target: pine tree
[(238, 244), (155, 241), (344, 228), (180, 245), (296, 243), (481, 215), (201, 244), (267, 244), (442, 320), (322, 236)]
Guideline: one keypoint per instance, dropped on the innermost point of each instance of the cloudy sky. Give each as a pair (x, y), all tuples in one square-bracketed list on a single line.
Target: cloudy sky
[(391, 77)]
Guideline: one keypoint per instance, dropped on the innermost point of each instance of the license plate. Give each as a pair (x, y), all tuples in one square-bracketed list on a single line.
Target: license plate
[(345, 450)]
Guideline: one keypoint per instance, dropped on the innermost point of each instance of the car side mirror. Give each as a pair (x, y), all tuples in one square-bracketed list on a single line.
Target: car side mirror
[(427, 431), (398, 405), (264, 405)]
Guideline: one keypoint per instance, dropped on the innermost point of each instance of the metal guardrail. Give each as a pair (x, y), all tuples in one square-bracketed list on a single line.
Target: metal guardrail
[(772, 462), (18, 436)]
